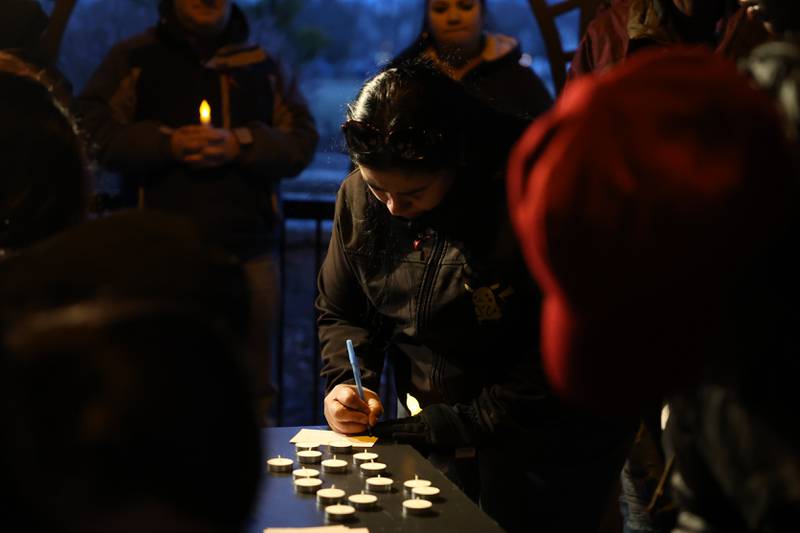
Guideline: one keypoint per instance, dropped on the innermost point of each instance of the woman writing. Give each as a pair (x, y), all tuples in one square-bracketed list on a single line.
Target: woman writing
[(422, 266)]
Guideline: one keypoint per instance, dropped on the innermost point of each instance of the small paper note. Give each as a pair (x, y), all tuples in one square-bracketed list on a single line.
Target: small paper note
[(323, 529), (321, 436)]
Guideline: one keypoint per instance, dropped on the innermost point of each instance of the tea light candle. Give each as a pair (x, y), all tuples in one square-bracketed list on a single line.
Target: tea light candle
[(372, 468), (334, 466), (341, 446), (416, 506), (307, 457), (364, 457), (300, 446), (339, 513), (280, 464), (362, 501), (305, 472), (330, 495), (426, 493), (379, 484), (411, 484), (309, 485)]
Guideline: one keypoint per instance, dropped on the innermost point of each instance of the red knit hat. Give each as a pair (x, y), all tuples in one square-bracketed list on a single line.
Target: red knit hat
[(641, 200)]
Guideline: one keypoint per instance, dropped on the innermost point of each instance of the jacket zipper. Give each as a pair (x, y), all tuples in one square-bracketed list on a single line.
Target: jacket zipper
[(426, 296)]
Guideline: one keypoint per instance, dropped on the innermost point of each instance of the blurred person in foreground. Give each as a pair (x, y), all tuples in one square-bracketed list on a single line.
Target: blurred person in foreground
[(44, 178), (656, 207), (125, 416), (623, 27), (455, 38), (142, 107)]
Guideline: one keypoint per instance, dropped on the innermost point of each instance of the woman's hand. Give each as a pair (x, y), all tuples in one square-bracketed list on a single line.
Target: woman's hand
[(347, 413)]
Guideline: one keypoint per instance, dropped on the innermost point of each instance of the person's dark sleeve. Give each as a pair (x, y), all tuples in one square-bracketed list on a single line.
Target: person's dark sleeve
[(512, 405), (107, 109), (286, 147), (345, 313)]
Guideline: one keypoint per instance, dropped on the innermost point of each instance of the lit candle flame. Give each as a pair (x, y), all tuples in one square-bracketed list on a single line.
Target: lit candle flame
[(205, 114)]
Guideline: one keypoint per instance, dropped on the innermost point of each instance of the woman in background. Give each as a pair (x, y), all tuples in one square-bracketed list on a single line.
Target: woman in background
[(455, 39)]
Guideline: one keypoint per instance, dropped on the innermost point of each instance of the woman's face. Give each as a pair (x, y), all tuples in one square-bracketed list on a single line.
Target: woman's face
[(203, 17), (407, 195), (455, 23)]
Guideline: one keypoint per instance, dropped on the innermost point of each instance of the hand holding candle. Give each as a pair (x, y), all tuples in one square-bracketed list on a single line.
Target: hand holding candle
[(203, 147)]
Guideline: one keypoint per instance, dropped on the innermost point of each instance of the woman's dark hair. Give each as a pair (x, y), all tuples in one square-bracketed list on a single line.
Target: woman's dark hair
[(414, 118), (44, 185)]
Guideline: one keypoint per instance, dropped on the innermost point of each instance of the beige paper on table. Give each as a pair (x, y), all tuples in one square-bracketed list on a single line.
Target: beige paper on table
[(322, 436), (323, 529)]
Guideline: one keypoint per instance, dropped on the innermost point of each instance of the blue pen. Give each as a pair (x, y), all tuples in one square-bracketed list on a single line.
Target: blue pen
[(351, 353)]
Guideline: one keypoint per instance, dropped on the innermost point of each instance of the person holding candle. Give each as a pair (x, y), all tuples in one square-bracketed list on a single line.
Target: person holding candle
[(455, 38), (422, 265), (142, 107)]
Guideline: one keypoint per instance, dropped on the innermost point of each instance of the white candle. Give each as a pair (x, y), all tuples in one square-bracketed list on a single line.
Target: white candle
[(379, 484), (300, 446), (416, 506), (339, 513), (363, 501), (372, 468), (308, 485), (426, 493), (205, 114), (330, 495), (411, 484), (364, 457), (334, 466), (279, 464), (341, 446), (305, 472), (309, 456)]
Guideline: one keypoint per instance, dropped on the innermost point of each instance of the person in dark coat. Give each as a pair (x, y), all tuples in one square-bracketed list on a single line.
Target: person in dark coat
[(455, 38), (143, 109), (422, 267)]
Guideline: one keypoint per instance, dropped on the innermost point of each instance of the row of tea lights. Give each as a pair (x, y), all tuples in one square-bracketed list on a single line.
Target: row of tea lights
[(306, 480)]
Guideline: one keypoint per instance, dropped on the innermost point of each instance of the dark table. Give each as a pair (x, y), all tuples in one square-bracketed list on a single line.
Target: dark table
[(278, 505)]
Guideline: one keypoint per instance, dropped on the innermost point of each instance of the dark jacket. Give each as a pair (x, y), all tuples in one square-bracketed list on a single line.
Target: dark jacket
[(499, 79), (155, 82), (448, 298), (455, 311), (622, 27)]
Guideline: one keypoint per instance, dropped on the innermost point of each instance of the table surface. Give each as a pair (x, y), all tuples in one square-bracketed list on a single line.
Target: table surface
[(278, 505)]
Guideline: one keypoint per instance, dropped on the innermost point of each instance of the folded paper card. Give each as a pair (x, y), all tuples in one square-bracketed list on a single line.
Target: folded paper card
[(323, 529), (321, 436)]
